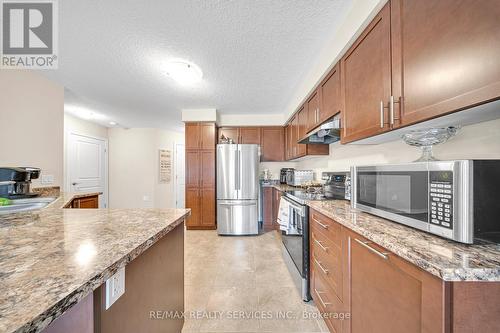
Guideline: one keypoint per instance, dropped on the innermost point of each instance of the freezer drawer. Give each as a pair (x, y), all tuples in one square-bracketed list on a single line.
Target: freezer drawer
[(237, 217)]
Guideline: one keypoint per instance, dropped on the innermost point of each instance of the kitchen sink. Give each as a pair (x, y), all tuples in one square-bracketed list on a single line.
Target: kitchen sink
[(25, 205)]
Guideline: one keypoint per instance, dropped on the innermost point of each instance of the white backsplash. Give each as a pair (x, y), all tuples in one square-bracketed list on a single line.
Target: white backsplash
[(274, 167)]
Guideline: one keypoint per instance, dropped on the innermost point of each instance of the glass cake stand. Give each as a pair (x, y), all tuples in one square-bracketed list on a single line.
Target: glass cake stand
[(427, 138)]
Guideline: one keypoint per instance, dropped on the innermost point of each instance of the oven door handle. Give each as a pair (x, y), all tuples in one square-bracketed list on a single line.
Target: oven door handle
[(295, 206)]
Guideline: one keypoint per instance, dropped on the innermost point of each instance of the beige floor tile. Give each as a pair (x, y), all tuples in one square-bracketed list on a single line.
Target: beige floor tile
[(242, 276)]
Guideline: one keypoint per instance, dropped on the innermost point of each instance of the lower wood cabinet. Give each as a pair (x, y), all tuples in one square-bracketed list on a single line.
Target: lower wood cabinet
[(361, 287), (388, 294), (267, 207), (85, 202), (201, 201), (276, 207)]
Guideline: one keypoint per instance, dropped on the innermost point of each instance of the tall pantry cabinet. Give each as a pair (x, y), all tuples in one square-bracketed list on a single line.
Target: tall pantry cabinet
[(201, 140)]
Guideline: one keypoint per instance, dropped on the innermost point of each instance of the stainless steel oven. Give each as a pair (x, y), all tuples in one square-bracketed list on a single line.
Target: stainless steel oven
[(452, 199), (295, 240)]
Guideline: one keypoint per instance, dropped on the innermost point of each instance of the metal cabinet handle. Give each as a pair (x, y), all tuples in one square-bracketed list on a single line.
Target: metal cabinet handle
[(383, 255), (325, 304), (321, 224), (320, 245), (381, 114), (326, 271), (391, 109)]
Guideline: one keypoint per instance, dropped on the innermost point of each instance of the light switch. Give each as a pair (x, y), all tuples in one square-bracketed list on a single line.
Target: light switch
[(115, 287)]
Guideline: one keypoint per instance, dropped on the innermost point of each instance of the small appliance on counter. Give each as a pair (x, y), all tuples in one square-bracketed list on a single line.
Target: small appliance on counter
[(15, 182), (337, 185), (299, 177), (456, 199), (283, 173)]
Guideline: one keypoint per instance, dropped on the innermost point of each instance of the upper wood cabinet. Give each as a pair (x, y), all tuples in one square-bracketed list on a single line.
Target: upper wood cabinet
[(366, 80), (330, 101), (192, 135), (229, 133), (312, 107), (273, 144), (445, 56), (200, 135), (250, 135)]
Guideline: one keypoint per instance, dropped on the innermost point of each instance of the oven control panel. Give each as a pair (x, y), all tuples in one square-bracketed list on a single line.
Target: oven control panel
[(441, 198)]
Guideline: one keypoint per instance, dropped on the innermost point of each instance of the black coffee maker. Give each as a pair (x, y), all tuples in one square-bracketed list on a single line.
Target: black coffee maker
[(15, 182), (283, 175)]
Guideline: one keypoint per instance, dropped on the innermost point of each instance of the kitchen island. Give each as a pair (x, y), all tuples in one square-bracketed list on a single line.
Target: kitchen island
[(52, 259)]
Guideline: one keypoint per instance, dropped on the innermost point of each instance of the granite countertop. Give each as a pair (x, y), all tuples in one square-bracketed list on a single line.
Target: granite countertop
[(448, 260), (52, 258)]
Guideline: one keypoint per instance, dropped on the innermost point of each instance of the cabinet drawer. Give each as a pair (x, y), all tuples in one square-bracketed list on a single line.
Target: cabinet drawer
[(330, 228), (328, 304), (326, 260)]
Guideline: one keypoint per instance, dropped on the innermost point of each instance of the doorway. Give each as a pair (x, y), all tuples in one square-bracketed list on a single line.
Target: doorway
[(87, 164), (179, 175)]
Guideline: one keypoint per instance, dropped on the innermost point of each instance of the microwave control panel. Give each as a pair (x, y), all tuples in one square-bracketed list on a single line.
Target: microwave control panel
[(441, 198)]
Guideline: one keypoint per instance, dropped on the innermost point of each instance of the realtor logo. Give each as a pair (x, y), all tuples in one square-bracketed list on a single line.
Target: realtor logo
[(29, 34)]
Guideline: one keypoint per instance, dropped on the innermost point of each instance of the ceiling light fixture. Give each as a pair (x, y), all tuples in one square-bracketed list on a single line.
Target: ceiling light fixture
[(183, 72), (112, 123)]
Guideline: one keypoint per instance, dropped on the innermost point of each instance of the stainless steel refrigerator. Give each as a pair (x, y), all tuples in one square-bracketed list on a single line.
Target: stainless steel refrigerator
[(237, 189)]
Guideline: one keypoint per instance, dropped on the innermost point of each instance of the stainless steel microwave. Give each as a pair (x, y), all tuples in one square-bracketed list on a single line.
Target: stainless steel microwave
[(458, 200)]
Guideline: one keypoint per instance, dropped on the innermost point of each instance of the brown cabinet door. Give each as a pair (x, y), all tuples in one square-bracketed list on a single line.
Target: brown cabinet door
[(88, 202), (389, 294), (267, 207), (329, 93), (445, 56), (230, 133), (193, 202), (366, 80), (192, 135), (207, 168), (192, 168), (294, 136), (208, 136), (272, 144), (276, 206), (288, 148), (312, 111), (301, 131), (207, 204), (250, 135)]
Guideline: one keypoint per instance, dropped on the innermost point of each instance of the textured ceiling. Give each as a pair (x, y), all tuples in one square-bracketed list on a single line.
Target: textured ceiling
[(253, 54)]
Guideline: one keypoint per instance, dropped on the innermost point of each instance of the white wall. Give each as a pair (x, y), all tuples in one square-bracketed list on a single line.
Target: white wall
[(31, 123), (251, 119), (472, 142), (133, 168)]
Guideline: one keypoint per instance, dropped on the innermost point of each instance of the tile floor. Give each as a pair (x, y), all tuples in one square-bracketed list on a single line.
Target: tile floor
[(244, 285)]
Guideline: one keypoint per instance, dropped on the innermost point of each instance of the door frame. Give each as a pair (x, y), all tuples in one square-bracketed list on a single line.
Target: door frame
[(177, 143), (67, 173)]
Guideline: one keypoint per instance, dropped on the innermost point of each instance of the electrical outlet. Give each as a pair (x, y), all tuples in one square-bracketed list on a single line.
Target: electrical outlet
[(115, 287), (47, 179)]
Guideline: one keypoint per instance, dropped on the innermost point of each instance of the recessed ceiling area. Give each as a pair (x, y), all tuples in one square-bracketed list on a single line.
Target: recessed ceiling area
[(113, 55)]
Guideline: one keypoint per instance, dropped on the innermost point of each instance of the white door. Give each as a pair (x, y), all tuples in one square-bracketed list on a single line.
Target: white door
[(87, 166), (179, 175)]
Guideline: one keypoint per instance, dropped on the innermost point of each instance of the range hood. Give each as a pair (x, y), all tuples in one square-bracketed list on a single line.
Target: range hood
[(324, 134)]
